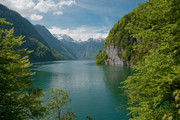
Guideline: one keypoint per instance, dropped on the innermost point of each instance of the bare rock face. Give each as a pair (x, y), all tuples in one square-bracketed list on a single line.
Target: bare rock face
[(113, 59)]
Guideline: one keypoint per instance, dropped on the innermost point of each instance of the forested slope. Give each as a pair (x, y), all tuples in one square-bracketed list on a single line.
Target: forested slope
[(131, 48), (34, 41), (149, 37), (120, 40), (54, 42)]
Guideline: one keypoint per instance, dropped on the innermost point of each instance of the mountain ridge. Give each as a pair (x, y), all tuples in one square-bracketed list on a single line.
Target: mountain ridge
[(54, 42), (82, 49), (34, 41), (48, 47)]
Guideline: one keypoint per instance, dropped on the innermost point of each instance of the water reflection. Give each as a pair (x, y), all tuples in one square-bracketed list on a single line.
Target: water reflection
[(93, 89), (113, 76)]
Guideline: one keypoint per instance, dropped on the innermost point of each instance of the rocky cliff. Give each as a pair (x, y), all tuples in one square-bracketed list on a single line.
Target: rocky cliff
[(113, 58), (125, 44), (118, 46)]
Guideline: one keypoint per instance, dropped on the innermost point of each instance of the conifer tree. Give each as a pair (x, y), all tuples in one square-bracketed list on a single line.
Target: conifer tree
[(153, 90), (18, 99)]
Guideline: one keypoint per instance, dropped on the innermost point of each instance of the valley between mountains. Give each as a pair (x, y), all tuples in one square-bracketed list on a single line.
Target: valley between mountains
[(48, 47)]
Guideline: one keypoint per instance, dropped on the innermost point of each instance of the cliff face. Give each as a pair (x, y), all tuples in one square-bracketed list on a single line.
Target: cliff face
[(124, 45), (113, 58), (118, 47)]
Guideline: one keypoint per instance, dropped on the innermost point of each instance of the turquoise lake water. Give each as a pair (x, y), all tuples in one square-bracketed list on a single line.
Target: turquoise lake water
[(93, 89)]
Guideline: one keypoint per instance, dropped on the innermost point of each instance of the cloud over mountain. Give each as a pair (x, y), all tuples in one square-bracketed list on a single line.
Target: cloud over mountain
[(34, 9), (82, 33)]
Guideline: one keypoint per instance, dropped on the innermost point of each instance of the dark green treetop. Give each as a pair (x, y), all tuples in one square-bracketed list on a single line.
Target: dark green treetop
[(153, 91), (18, 100)]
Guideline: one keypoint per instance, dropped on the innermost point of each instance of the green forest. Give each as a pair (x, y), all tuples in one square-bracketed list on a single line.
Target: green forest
[(19, 100), (150, 38)]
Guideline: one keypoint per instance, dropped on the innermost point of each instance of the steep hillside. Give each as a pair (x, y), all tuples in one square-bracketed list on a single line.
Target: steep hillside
[(121, 47), (34, 41), (54, 42), (153, 90), (118, 48), (124, 46)]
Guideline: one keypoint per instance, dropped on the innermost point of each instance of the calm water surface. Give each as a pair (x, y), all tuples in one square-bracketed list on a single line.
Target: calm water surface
[(93, 89)]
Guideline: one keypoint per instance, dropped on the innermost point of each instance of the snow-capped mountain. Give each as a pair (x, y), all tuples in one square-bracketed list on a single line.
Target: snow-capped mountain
[(82, 49), (63, 37)]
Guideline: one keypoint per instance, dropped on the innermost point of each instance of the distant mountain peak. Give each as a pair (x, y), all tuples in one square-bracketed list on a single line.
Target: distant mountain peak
[(58, 36), (64, 37), (33, 40)]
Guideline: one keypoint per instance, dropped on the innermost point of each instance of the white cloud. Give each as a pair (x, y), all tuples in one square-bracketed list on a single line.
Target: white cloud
[(82, 33), (34, 10), (36, 17), (24, 7), (66, 3), (58, 13), (44, 6)]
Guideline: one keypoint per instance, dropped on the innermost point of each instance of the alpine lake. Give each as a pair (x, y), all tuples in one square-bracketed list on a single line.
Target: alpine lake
[(94, 89)]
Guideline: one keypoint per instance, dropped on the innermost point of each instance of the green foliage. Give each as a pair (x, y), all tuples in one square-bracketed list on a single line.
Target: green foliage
[(150, 90), (33, 101), (101, 57), (16, 93), (33, 40), (54, 42), (120, 37), (18, 99), (127, 33), (42, 52), (153, 91), (58, 99), (176, 95)]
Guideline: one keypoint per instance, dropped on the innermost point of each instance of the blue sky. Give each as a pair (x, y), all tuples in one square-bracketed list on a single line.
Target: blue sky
[(80, 19)]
